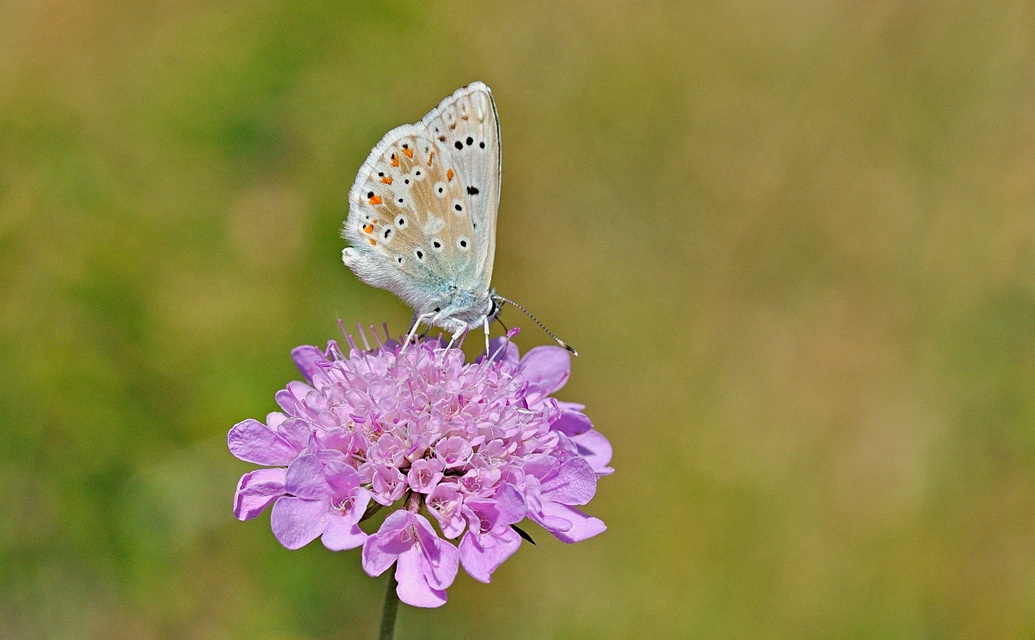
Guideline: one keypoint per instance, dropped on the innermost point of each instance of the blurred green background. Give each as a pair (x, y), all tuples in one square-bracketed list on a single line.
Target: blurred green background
[(794, 242)]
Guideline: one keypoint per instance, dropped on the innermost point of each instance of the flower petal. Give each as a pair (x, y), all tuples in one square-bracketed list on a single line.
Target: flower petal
[(375, 558), (596, 449), (387, 484), (256, 490), (580, 526), (254, 442), (553, 524), (305, 358), (540, 466), (341, 477), (441, 559), (546, 367), (573, 483), (483, 554), (306, 478), (445, 503), (295, 432), (510, 504), (571, 423), (381, 549), (413, 588), (297, 522), (340, 534)]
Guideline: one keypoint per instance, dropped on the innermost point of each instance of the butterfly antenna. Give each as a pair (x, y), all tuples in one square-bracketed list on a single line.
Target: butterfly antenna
[(541, 325)]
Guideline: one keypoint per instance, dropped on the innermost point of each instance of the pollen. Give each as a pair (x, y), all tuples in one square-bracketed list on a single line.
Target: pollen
[(375, 199)]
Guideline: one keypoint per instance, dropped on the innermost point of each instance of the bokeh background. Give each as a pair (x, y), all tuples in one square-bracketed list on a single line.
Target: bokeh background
[(794, 242)]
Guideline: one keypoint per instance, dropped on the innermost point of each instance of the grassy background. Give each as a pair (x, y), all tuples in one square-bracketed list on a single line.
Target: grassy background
[(794, 241)]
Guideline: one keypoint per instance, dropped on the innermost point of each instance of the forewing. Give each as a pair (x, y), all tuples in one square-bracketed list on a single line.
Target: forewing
[(466, 125)]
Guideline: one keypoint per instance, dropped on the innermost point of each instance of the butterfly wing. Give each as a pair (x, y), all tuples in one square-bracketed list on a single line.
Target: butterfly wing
[(422, 212), (467, 124)]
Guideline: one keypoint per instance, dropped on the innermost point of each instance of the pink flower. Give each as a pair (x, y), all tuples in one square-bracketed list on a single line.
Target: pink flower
[(490, 539), (324, 500), (444, 502), (551, 488), (479, 446), (425, 564)]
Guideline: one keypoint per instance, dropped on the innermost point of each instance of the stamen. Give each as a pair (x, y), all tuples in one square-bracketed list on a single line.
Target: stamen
[(373, 330), (348, 339), (334, 348)]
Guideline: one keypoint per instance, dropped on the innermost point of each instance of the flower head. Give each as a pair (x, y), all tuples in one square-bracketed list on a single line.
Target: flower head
[(479, 446)]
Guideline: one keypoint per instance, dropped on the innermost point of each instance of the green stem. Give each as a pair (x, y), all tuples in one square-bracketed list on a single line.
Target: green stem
[(391, 608)]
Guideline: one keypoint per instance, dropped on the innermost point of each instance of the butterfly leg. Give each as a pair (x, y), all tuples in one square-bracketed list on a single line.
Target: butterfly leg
[(485, 323), (456, 336), (417, 319)]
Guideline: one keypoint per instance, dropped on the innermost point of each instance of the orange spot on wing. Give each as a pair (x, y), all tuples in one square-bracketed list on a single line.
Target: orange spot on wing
[(387, 179), (449, 174), (376, 200), (408, 152), (369, 228), (373, 242), (395, 160)]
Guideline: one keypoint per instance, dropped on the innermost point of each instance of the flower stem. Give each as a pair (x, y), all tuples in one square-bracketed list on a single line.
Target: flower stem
[(391, 608)]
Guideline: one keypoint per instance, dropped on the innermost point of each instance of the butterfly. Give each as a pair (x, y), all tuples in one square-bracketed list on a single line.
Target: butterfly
[(422, 214)]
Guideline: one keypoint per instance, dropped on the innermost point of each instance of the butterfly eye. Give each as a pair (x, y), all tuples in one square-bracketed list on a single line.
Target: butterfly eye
[(440, 189)]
